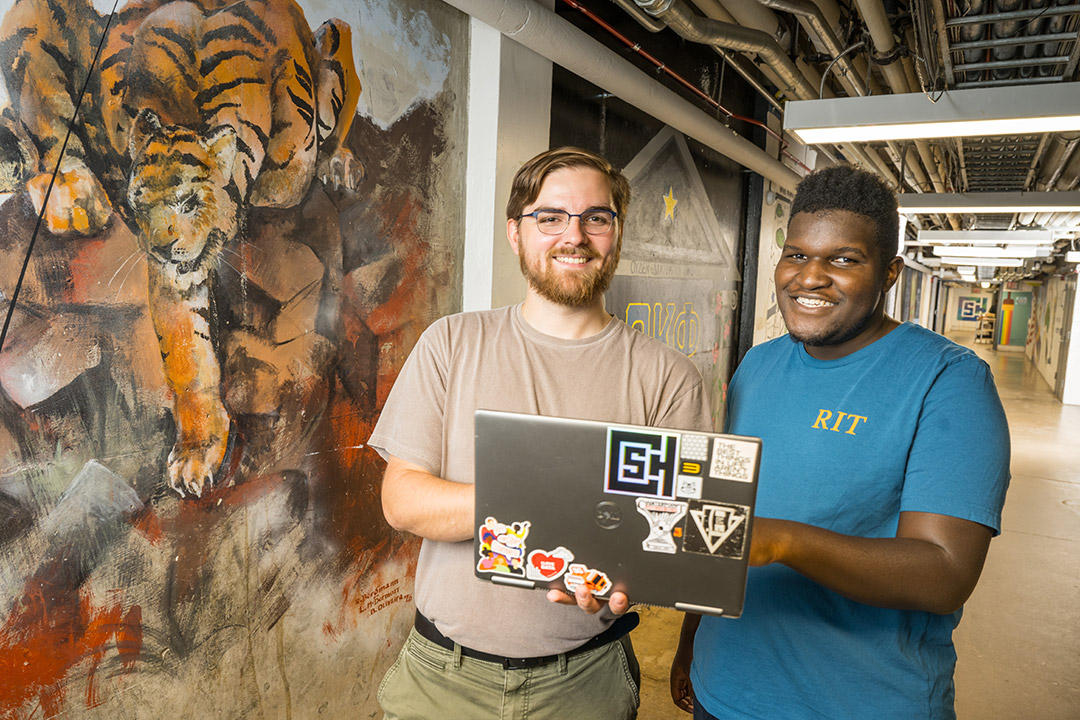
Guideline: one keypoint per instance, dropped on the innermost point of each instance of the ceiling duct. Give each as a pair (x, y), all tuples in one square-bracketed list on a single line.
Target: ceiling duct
[(554, 38)]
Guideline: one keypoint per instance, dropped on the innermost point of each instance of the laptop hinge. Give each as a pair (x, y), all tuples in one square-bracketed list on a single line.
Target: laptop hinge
[(699, 609), (515, 582)]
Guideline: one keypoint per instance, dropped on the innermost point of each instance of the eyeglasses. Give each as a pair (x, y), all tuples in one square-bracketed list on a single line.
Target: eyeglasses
[(555, 222)]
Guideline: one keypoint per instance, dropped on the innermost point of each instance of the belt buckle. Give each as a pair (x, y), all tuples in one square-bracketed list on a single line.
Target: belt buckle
[(510, 663)]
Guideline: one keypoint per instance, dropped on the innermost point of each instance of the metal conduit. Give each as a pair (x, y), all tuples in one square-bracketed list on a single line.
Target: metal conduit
[(873, 14), (733, 61), (807, 10), (547, 34), (690, 26)]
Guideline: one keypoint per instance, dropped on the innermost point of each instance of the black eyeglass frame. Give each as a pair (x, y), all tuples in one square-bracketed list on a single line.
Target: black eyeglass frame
[(584, 227)]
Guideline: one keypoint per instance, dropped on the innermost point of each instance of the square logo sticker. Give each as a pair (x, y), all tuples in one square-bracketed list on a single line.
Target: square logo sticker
[(733, 460), (716, 529), (688, 486), (641, 462)]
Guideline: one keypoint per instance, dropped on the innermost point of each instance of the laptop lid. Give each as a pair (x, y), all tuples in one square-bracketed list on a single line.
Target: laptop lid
[(662, 515)]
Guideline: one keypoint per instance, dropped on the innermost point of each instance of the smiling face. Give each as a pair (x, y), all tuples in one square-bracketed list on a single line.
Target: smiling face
[(573, 268), (831, 283)]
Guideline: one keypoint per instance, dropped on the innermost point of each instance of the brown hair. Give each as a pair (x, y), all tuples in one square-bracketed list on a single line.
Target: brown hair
[(531, 175)]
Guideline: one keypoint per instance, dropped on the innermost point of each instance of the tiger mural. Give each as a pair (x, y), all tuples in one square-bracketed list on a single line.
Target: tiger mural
[(197, 111)]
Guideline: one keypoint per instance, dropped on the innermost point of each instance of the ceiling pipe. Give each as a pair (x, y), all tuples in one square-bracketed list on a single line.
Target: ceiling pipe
[(1070, 174), (714, 10), (749, 13), (645, 21), (733, 61), (873, 14), (706, 31), (556, 39), (717, 33), (808, 12)]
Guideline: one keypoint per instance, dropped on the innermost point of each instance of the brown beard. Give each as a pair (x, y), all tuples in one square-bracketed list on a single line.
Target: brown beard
[(584, 292)]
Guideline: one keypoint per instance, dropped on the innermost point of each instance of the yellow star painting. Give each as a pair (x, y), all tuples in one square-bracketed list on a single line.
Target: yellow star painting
[(669, 204)]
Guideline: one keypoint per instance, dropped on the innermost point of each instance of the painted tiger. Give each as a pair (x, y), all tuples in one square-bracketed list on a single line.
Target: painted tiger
[(197, 111)]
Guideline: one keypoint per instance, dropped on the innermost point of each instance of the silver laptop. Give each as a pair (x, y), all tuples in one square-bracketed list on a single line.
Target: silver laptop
[(662, 515)]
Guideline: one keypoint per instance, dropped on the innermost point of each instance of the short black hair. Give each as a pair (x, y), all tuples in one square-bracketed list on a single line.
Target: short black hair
[(846, 187)]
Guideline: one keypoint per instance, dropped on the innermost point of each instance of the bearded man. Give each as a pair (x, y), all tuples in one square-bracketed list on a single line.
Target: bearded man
[(477, 650)]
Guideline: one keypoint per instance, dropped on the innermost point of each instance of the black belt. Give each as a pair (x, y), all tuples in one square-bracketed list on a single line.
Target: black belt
[(622, 625)]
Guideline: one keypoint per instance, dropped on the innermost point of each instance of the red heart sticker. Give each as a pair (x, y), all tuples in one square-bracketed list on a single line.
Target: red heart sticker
[(547, 565)]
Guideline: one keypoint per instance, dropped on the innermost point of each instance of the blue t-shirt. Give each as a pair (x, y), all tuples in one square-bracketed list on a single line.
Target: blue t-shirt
[(911, 422)]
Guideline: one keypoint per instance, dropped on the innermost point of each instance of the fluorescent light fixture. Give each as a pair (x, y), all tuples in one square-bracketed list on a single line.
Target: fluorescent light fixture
[(1013, 110), (1072, 256), (986, 237), (996, 252), (989, 202), (999, 262)]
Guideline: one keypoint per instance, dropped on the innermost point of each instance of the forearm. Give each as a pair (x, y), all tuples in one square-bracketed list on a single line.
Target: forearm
[(427, 505), (686, 635), (902, 573)]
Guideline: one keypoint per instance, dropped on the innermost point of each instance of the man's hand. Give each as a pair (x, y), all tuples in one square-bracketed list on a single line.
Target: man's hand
[(585, 600), (682, 692)]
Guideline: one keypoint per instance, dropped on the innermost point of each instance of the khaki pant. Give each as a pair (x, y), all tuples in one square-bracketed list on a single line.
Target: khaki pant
[(429, 682)]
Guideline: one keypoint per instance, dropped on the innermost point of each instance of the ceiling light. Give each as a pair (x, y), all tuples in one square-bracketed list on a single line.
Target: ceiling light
[(986, 237), (989, 202), (995, 252), (1016, 110), (985, 285), (999, 262)]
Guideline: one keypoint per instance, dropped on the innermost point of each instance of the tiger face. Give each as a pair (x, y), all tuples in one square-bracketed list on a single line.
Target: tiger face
[(182, 196)]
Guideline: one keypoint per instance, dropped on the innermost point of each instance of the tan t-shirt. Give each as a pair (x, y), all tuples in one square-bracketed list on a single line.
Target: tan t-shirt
[(494, 360)]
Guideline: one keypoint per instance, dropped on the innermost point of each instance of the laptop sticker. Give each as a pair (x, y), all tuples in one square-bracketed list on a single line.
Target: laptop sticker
[(663, 517), (502, 547), (545, 565), (688, 486), (733, 460), (641, 462), (578, 575), (607, 515), (694, 447), (716, 529)]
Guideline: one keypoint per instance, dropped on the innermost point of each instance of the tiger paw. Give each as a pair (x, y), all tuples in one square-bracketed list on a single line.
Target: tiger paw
[(77, 204), (192, 468), (341, 169)]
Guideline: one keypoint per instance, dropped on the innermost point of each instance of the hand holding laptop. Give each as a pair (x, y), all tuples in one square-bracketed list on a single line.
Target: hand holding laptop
[(585, 600)]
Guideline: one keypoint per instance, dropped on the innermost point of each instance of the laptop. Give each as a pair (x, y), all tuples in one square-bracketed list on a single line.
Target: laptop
[(662, 515)]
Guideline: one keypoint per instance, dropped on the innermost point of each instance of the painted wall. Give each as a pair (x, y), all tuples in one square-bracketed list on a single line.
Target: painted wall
[(964, 305), (1047, 331), (1071, 391), (141, 573), (775, 215), (1013, 316)]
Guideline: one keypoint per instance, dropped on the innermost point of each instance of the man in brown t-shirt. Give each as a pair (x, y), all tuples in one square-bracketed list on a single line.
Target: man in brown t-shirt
[(480, 651)]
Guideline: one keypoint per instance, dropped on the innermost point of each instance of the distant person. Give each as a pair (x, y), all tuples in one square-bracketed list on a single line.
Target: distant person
[(885, 461), (479, 651)]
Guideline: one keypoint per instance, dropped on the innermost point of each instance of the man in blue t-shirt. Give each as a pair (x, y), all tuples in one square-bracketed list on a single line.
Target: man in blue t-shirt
[(884, 469)]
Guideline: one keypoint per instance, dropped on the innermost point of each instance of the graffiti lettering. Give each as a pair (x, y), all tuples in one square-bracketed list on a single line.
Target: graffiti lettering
[(680, 331)]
